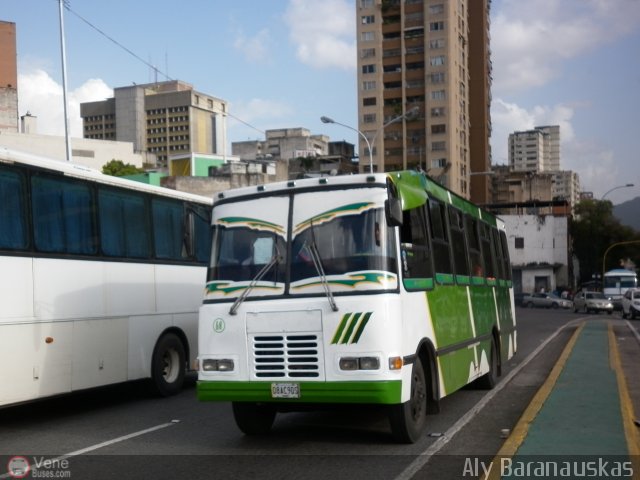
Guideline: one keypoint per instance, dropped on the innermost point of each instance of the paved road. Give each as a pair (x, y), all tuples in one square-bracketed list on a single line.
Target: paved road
[(120, 432)]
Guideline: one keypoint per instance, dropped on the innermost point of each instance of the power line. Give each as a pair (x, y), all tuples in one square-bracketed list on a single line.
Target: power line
[(108, 37), (137, 57)]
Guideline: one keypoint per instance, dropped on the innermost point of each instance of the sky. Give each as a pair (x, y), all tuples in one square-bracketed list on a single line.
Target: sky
[(286, 63)]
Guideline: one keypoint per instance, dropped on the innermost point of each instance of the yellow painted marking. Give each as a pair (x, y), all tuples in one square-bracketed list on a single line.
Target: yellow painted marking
[(519, 433), (626, 406)]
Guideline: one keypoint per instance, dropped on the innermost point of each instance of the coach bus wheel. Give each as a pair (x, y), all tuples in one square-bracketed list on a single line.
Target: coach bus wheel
[(168, 365), (408, 419), (489, 379), (253, 418)]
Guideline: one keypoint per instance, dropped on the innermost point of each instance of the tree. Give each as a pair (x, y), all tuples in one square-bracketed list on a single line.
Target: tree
[(118, 168), (593, 229)]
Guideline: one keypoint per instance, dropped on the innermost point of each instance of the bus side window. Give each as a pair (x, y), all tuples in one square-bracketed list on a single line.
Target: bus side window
[(473, 241), (460, 254), (63, 219), (487, 252), (497, 247), (505, 255), (13, 222), (439, 237), (124, 226), (414, 245)]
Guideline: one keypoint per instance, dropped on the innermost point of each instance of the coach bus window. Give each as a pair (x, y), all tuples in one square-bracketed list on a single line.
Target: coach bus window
[(62, 216), (167, 229), (414, 250), (13, 227), (460, 260), (124, 230), (440, 242)]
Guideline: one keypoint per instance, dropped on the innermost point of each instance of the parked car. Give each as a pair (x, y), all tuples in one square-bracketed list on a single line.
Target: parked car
[(592, 302), (545, 300), (631, 303)]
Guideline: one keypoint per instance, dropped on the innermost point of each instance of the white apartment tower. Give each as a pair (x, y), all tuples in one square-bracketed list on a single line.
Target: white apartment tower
[(536, 150)]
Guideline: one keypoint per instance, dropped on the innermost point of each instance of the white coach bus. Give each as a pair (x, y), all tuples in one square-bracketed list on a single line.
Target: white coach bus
[(100, 279)]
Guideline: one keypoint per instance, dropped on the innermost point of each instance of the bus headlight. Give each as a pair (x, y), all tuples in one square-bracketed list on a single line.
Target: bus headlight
[(359, 363), (218, 365)]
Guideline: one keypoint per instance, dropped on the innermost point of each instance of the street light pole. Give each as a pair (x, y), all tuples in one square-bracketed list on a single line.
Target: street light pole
[(615, 188), (410, 113), (331, 120)]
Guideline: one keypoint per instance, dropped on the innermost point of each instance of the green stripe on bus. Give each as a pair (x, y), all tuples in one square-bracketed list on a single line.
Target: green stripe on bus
[(352, 325), (382, 392), (363, 324), (343, 322)]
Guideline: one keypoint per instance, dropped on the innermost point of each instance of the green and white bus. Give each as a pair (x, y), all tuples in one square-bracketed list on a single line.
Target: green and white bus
[(381, 289)]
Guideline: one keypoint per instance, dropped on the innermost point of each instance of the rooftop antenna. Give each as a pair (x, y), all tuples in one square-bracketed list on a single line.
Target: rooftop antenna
[(64, 83)]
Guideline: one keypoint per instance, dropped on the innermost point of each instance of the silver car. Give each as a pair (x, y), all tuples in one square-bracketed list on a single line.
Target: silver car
[(592, 302), (545, 300)]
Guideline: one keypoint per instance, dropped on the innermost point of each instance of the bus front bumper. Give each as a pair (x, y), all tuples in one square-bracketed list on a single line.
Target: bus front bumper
[(382, 392)]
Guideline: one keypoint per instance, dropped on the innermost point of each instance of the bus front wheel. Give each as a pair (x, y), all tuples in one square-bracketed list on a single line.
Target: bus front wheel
[(253, 418), (408, 419), (168, 365)]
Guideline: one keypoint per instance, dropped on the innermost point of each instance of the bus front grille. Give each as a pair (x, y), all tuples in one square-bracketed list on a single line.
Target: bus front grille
[(295, 356)]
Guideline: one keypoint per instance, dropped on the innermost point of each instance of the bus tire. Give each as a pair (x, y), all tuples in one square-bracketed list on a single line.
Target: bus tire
[(408, 419), (168, 365), (489, 379), (253, 418)]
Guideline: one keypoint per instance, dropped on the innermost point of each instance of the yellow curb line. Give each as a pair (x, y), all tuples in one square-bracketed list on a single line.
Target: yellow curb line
[(626, 406), (519, 433)]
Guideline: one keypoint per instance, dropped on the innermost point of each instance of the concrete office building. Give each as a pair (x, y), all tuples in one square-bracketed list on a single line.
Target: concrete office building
[(417, 53), (8, 78), (163, 118)]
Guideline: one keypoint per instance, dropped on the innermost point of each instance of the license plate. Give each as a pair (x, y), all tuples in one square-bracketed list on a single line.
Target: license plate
[(285, 390)]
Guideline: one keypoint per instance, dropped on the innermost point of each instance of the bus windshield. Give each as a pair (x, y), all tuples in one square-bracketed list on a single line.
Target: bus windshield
[(353, 251), (346, 244)]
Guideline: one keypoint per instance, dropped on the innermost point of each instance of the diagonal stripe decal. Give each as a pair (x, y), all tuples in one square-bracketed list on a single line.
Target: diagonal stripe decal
[(350, 328)]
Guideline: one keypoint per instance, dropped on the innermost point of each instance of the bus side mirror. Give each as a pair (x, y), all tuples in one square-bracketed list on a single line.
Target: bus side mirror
[(393, 211)]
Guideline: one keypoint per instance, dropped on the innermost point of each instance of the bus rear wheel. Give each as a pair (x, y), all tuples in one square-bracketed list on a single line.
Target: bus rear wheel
[(168, 365), (253, 418), (489, 379), (408, 420)]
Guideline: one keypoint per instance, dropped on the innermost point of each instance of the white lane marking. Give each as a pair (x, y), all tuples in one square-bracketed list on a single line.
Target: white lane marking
[(635, 332), (436, 446), (106, 443)]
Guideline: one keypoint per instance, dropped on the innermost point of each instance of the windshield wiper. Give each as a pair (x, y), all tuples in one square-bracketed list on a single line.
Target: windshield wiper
[(317, 262), (263, 271)]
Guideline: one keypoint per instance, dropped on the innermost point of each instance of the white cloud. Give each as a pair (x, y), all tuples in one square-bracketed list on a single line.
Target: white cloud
[(257, 115), (41, 96), (324, 32), (529, 53), (255, 48)]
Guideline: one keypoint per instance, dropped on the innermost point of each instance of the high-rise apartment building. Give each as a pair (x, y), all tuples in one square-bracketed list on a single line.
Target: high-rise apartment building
[(8, 78), (163, 118), (536, 150), (416, 53)]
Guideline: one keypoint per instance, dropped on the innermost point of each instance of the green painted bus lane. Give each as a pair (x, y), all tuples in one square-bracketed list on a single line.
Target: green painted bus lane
[(582, 413)]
